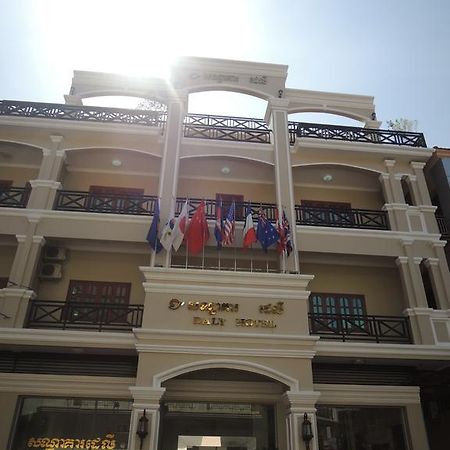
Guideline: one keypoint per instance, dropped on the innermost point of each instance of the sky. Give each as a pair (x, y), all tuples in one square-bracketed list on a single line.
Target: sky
[(395, 50)]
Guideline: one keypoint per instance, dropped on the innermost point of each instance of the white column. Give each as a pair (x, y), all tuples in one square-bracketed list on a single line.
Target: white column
[(297, 404), (147, 398), (44, 188), (168, 176), (284, 186)]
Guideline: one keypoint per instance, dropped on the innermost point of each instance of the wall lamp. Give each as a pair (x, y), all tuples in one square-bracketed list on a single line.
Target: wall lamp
[(307, 433), (142, 428)]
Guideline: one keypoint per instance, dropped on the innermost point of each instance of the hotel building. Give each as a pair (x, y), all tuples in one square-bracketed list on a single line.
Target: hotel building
[(230, 348)]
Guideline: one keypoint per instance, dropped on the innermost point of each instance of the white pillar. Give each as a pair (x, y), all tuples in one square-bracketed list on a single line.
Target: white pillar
[(169, 173), (284, 186), (148, 399)]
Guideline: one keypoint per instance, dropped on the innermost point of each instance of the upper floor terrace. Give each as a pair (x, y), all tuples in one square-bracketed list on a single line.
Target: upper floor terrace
[(202, 126)]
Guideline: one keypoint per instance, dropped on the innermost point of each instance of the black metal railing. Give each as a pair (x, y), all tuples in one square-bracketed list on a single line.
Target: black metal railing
[(269, 209), (342, 217), (354, 134), (83, 316), (205, 126), (226, 128), (83, 113), (14, 197), (105, 203), (444, 227), (361, 328)]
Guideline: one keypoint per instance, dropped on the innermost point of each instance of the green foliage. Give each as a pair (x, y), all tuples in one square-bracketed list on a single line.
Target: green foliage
[(402, 124)]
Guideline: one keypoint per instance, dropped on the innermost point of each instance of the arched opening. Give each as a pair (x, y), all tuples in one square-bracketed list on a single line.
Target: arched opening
[(221, 407), (226, 103), (325, 118), (127, 102)]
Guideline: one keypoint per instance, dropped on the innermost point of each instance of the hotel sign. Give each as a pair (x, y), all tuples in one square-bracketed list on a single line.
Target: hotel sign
[(46, 443), (212, 308)]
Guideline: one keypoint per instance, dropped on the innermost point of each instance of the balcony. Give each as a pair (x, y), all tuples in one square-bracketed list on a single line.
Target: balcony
[(83, 316), (444, 227), (354, 134), (202, 126), (380, 329), (14, 197), (143, 205), (342, 218)]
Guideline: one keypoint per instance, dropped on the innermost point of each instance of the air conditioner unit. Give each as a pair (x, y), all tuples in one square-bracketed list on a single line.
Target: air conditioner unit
[(52, 253), (50, 271)]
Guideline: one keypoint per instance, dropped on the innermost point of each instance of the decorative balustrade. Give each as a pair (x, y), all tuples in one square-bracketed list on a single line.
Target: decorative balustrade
[(444, 227), (83, 316), (105, 203), (354, 134), (385, 329), (226, 128), (210, 127), (14, 197), (342, 217), (83, 113)]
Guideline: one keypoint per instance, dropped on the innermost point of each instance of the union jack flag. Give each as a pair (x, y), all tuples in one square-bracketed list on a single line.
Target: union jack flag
[(284, 230)]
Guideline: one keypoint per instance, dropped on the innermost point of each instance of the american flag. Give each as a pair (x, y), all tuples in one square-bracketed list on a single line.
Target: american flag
[(228, 226)]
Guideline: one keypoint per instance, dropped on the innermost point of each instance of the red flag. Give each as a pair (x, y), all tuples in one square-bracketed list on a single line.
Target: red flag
[(197, 233)]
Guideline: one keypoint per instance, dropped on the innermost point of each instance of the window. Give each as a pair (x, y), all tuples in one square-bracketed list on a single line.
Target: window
[(3, 282), (100, 297), (43, 421), (117, 199), (360, 428), (336, 311)]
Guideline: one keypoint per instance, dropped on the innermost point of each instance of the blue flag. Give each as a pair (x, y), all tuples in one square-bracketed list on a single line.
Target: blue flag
[(266, 233), (152, 235)]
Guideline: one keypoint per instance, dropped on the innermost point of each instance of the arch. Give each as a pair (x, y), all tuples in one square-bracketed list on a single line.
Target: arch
[(229, 88), (228, 156), (134, 150), (120, 93), (326, 110), (365, 169), (25, 144), (246, 366)]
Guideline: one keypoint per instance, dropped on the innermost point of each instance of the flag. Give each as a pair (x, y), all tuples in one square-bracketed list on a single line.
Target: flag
[(219, 224), (167, 234), (229, 225), (265, 232), (281, 244), (287, 234), (197, 233), (249, 234), (152, 235), (179, 227)]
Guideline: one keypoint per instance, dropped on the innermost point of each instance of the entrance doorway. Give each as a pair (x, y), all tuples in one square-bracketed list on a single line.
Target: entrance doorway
[(218, 426)]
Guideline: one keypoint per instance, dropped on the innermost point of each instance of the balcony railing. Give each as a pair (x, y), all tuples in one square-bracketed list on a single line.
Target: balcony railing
[(226, 128), (354, 134), (14, 197), (210, 127), (444, 227), (385, 329), (83, 316), (342, 217), (105, 203), (82, 113)]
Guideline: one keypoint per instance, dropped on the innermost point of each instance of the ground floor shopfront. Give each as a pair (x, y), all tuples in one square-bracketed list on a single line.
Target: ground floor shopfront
[(204, 403)]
